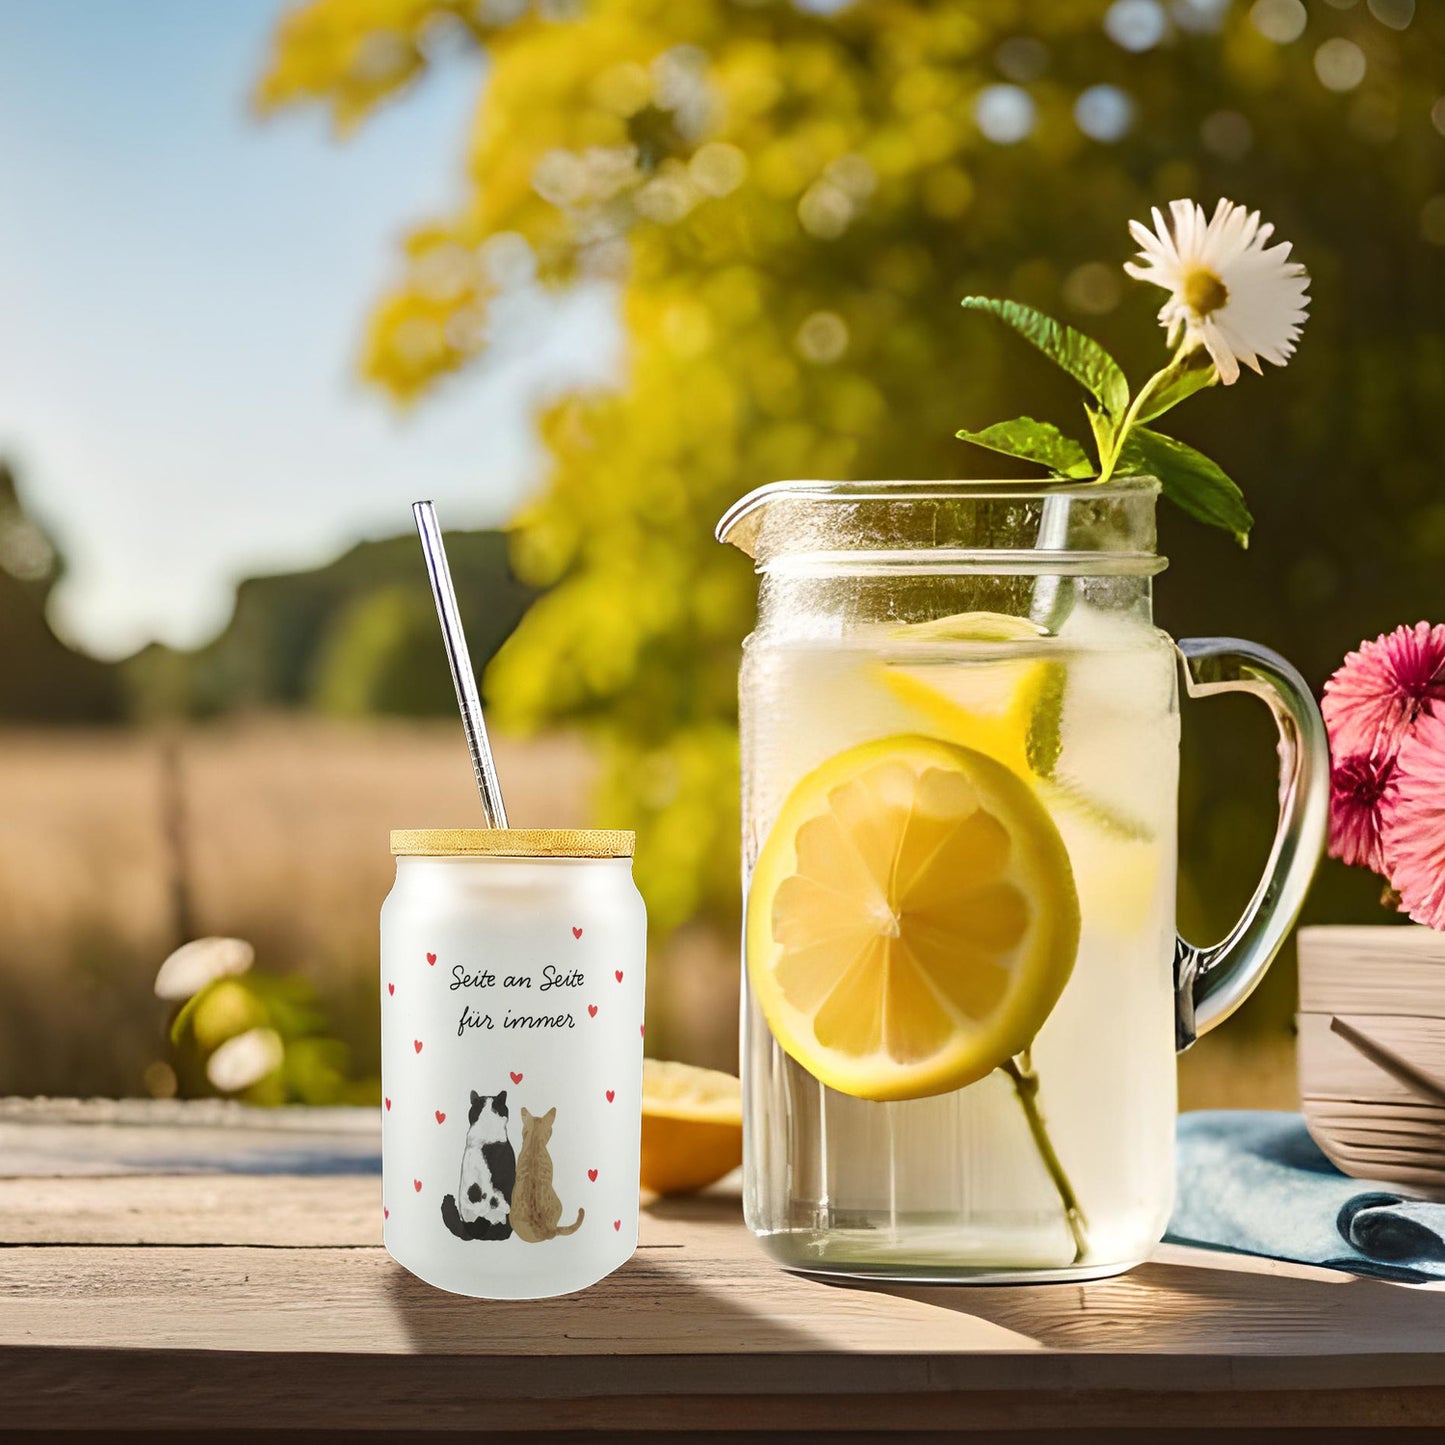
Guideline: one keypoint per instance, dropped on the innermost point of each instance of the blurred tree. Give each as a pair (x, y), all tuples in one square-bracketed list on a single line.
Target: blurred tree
[(42, 679), (357, 636), (791, 199)]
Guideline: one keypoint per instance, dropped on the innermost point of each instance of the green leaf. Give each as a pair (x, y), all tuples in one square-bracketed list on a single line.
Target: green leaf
[(1190, 480), (1083, 358), (1181, 380), (1034, 441)]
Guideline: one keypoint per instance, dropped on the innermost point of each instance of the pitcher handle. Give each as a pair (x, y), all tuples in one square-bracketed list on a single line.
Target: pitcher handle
[(1211, 982)]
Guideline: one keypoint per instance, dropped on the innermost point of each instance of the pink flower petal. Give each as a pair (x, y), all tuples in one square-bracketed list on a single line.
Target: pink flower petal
[(1361, 795), (1373, 701), (1414, 825)]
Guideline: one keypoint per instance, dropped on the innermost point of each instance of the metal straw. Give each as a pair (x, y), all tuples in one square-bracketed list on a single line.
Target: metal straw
[(1051, 603), (468, 699)]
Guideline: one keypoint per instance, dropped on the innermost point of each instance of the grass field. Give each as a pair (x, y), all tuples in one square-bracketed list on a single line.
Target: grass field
[(115, 846)]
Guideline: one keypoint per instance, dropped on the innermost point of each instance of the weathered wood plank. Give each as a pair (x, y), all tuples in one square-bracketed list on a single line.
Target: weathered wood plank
[(262, 1300), (43, 1137), (702, 1288), (272, 1210), (140, 1390)]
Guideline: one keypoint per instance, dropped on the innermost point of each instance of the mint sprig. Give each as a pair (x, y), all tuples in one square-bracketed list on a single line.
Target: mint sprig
[(1116, 418)]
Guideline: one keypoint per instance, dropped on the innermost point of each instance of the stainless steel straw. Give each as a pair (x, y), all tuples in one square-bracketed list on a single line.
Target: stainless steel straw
[(460, 660), (1051, 602)]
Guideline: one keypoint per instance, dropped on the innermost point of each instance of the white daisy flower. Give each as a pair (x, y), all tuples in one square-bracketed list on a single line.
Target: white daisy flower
[(1228, 292), (201, 961), (245, 1060)]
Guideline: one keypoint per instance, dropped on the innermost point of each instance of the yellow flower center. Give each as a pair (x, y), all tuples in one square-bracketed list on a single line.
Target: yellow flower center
[(1204, 292)]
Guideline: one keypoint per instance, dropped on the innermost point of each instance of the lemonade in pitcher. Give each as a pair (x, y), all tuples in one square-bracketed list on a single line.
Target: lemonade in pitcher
[(959, 811)]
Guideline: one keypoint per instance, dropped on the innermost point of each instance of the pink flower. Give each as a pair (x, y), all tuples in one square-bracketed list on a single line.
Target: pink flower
[(1373, 701), (1414, 834), (1362, 791)]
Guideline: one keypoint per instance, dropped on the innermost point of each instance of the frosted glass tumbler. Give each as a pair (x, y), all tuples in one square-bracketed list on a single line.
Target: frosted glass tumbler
[(512, 986)]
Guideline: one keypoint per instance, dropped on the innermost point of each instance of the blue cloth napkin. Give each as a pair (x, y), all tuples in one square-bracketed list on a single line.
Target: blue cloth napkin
[(1255, 1182)]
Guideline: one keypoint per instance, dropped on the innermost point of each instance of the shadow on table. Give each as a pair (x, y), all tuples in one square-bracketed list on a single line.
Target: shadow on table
[(1163, 1306), (663, 1301)]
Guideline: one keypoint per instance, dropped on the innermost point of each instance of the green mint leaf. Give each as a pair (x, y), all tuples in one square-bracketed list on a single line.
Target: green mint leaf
[(1190, 480), (1101, 427), (1181, 380), (1083, 358), (1034, 441)]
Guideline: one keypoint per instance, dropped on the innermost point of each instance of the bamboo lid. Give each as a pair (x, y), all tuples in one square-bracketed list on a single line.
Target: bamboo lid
[(512, 843)]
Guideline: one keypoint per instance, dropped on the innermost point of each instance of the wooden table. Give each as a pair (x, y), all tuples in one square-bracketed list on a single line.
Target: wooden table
[(207, 1267)]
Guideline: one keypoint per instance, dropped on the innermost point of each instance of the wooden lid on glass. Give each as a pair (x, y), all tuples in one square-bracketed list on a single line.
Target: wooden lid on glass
[(512, 843)]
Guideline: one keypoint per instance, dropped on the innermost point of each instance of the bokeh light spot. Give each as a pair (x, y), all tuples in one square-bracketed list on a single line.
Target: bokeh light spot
[(507, 260), (825, 210), (718, 168), (1397, 14), (1135, 25), (1104, 113), (1199, 17), (822, 338), (1004, 113), (1282, 21), (1340, 64)]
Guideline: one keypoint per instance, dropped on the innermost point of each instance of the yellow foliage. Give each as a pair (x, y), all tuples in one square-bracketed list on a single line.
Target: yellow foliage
[(790, 203)]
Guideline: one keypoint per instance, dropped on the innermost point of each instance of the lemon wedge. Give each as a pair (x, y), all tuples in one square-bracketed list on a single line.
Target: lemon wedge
[(692, 1126), (995, 709), (1010, 709), (912, 919)]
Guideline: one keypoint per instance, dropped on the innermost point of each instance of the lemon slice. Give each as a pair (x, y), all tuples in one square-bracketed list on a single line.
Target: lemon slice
[(1002, 709), (912, 919), (692, 1126), (1010, 709)]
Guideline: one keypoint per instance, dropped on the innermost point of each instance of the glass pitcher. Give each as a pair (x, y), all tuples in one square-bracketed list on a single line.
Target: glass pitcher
[(963, 992)]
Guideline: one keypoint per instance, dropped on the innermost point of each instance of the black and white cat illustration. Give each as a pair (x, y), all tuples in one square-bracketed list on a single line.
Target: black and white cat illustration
[(482, 1205)]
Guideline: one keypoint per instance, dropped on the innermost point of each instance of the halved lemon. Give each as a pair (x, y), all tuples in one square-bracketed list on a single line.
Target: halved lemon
[(912, 919), (692, 1126)]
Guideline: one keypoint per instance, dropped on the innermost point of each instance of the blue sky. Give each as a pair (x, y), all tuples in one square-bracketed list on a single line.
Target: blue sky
[(182, 291)]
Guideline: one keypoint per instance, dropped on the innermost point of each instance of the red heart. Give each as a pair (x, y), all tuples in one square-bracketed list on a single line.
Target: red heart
[(516, 1078), (592, 1010), (385, 1212), (391, 988), (617, 1225), (610, 1096), (576, 933), (388, 1106), (642, 1030), (416, 1044), (441, 1118), (416, 1184), (619, 975), (592, 1175), (431, 958)]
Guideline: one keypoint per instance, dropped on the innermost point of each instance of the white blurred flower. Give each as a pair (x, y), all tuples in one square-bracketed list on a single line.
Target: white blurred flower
[(201, 961), (1228, 291), (245, 1060)]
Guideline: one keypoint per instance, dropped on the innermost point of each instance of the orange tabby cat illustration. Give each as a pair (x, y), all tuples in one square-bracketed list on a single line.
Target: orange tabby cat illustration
[(535, 1206)]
